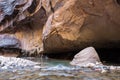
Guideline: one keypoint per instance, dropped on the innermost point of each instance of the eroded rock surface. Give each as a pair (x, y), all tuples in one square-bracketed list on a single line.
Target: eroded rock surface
[(61, 25), (9, 41), (81, 23), (22, 23)]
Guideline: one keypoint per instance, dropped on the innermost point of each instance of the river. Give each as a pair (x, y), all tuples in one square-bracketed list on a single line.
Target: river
[(52, 69)]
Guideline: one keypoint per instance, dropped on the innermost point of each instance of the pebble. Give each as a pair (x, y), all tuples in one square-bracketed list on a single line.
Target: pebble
[(37, 67)]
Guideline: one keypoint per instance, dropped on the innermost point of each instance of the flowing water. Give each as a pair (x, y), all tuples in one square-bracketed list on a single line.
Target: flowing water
[(52, 69)]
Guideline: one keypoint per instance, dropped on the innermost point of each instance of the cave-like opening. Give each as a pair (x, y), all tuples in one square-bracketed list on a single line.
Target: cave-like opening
[(118, 1), (107, 55)]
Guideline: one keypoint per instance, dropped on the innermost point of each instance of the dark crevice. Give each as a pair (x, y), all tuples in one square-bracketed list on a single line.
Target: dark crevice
[(118, 1), (10, 52), (19, 6), (110, 55), (64, 56), (9, 17), (31, 9), (52, 9)]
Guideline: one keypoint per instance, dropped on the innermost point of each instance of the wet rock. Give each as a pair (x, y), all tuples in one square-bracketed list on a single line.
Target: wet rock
[(86, 58), (16, 63)]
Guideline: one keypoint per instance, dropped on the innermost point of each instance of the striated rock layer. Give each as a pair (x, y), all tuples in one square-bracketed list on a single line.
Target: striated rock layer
[(54, 26)]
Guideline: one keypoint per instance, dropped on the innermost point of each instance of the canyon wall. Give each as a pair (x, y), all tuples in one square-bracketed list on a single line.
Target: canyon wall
[(55, 26)]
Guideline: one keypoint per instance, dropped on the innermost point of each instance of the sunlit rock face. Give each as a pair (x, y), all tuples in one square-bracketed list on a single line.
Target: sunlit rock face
[(61, 25), (81, 23)]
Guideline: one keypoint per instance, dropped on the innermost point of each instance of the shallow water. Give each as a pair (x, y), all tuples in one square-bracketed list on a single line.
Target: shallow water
[(57, 70)]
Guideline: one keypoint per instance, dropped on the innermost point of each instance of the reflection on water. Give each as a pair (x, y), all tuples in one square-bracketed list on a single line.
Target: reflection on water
[(57, 70)]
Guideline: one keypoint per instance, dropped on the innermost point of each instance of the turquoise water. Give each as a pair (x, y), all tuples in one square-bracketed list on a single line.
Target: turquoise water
[(53, 69)]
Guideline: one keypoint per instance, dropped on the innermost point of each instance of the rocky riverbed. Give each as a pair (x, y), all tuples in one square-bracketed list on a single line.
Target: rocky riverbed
[(13, 63), (61, 70)]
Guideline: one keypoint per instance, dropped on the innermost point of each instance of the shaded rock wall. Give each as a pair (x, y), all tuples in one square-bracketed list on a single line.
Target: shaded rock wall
[(61, 25), (30, 34)]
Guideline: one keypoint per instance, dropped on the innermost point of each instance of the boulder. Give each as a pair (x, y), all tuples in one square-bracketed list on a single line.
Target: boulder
[(86, 57), (81, 23)]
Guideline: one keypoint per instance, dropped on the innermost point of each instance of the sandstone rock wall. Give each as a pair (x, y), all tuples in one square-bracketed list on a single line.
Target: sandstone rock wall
[(61, 25), (82, 23)]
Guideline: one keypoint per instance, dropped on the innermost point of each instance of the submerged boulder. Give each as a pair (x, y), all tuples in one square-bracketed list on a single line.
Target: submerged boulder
[(88, 57)]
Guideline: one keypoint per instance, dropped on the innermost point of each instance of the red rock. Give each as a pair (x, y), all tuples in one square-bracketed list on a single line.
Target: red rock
[(70, 26), (81, 23)]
